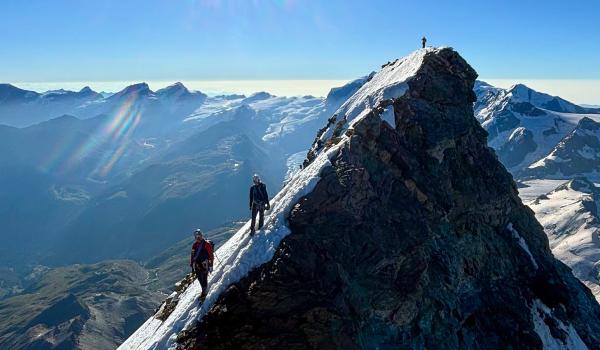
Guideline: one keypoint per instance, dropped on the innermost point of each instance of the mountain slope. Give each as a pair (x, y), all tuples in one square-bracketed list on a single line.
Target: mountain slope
[(402, 231), (571, 219), (80, 306), (81, 174), (525, 125), (93, 306), (49, 173), (22, 108), (201, 180), (577, 154)]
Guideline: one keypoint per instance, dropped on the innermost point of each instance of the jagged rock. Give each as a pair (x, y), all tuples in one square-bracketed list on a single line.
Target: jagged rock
[(415, 238), (170, 303)]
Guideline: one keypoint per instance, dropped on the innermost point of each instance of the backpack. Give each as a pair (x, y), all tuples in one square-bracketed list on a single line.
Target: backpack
[(212, 245)]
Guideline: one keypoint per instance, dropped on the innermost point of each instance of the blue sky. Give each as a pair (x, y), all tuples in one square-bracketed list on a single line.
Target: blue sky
[(135, 40)]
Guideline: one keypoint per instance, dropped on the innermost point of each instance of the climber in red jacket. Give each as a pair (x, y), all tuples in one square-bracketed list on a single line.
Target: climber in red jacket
[(201, 260)]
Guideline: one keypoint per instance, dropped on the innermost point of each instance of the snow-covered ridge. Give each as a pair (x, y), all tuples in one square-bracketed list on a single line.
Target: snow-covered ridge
[(241, 254), (389, 83), (235, 259)]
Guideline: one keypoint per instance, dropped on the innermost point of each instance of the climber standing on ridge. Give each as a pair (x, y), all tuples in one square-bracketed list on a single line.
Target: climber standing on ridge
[(201, 261), (259, 202), (424, 40)]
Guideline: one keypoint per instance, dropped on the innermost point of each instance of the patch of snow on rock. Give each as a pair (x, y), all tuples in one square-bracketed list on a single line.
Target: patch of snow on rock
[(389, 117), (540, 312), (522, 244)]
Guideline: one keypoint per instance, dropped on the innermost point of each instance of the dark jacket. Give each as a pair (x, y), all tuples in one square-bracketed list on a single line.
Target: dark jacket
[(258, 194)]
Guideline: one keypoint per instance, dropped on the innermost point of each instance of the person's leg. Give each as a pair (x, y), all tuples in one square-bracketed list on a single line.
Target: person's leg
[(253, 222), (203, 278), (261, 217)]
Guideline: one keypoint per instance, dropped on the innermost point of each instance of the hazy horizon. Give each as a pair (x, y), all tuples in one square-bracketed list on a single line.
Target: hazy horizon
[(580, 91)]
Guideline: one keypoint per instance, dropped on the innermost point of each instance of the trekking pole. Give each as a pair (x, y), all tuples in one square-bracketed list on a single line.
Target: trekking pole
[(217, 258)]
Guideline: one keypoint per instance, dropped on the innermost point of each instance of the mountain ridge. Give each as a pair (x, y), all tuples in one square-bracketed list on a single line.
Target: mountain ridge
[(451, 259)]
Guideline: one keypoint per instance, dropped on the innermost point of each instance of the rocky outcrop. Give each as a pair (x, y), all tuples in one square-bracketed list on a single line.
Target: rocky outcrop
[(414, 237)]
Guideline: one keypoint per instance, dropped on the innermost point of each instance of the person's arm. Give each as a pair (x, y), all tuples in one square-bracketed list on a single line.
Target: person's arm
[(211, 254), (267, 197), (193, 254), (250, 205)]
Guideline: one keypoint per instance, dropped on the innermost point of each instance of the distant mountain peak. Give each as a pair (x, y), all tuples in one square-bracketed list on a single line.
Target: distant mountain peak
[(176, 87), (181, 93), (10, 92), (138, 87), (258, 96), (582, 184), (8, 87), (86, 90), (520, 87), (587, 123), (343, 92), (521, 91), (141, 89)]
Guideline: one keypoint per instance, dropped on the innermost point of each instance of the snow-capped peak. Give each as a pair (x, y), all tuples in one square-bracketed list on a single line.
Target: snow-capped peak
[(342, 93), (521, 91), (258, 96), (390, 83)]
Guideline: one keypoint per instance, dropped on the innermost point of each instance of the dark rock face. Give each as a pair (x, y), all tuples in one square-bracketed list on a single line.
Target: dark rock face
[(412, 239), (528, 109)]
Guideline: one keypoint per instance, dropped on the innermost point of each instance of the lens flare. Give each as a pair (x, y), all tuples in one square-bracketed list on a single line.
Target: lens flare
[(57, 153), (104, 168), (111, 138)]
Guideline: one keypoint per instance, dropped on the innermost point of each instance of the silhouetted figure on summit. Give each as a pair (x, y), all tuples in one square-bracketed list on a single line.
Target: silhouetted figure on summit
[(424, 41)]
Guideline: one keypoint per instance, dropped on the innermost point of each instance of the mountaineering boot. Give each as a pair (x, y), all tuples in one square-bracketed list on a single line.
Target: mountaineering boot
[(202, 297)]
